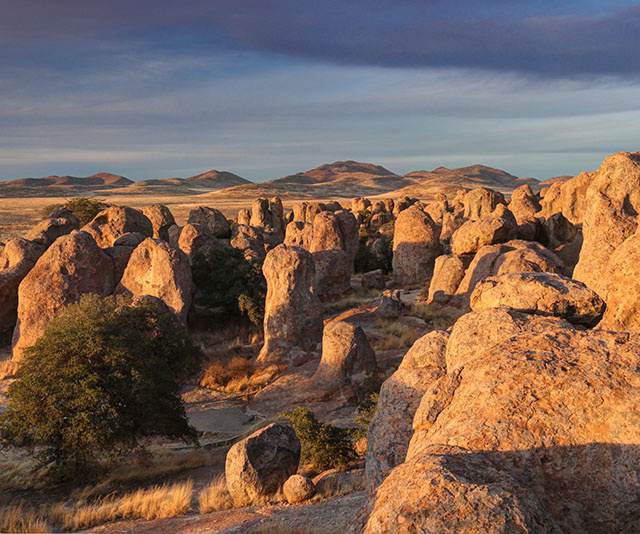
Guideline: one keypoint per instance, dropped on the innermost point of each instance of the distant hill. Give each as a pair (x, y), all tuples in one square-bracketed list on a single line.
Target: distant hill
[(109, 184)]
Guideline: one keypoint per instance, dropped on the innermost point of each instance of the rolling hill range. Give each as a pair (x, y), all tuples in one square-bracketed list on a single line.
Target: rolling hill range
[(348, 179), (106, 184)]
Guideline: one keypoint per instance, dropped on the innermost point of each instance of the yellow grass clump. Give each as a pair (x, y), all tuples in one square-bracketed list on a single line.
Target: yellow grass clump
[(237, 375), (441, 317), (215, 496), (395, 335), (19, 518), (8, 368)]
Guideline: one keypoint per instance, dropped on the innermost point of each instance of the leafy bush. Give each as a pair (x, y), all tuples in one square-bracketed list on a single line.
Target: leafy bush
[(374, 253), (367, 395), (227, 279), (104, 375), (84, 208), (325, 446)]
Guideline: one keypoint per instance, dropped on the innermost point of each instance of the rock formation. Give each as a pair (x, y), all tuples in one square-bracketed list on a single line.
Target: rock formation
[(448, 272), (161, 219), (298, 488), (258, 466), (115, 221), (480, 202), (497, 227), (524, 203), (293, 313), (197, 239), (213, 219)]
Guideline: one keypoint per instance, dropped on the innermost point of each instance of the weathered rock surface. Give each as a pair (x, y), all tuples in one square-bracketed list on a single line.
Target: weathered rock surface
[(524, 203), (298, 488), (497, 227), (347, 359), (450, 223), (115, 221), (390, 304), (540, 294), (480, 202), (130, 239), (293, 313), (197, 239), (48, 230), (299, 234), (532, 429), (557, 231), (416, 245), (258, 466), (391, 428), (373, 280), (448, 272), (326, 232), (72, 266), (213, 219), (250, 241), (161, 219), (568, 198), (159, 270), (611, 216), (512, 257), (333, 273), (244, 217)]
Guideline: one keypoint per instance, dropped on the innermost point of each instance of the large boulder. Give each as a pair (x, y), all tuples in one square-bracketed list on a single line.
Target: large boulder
[(293, 313), (159, 270), (512, 257), (298, 488), (16, 260), (250, 240), (72, 266), (524, 203), (611, 216), (390, 430), (299, 234), (480, 202), (448, 272), (326, 232), (260, 213), (333, 273), (568, 198), (541, 294), (161, 219), (347, 359), (497, 227), (110, 224), (48, 230), (258, 466), (197, 239), (416, 245), (373, 280), (532, 429), (211, 218), (349, 232)]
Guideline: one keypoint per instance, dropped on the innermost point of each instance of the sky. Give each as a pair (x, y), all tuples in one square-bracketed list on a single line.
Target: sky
[(266, 88)]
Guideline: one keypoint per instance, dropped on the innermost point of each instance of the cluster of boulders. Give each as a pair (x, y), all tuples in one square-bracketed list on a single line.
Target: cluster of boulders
[(522, 417)]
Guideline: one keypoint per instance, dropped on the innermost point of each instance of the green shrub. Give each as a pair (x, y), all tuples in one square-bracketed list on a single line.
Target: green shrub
[(374, 253), (103, 376), (84, 208), (367, 395), (228, 280), (325, 446)]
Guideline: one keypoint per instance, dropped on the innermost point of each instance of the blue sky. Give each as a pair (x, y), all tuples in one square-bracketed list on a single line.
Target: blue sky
[(265, 88)]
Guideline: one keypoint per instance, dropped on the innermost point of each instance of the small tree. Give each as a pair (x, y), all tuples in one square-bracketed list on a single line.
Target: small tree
[(104, 375), (228, 280), (84, 208), (325, 446)]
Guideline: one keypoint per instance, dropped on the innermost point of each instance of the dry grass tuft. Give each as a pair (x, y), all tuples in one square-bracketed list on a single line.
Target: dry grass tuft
[(238, 375), (153, 503), (215, 496), (8, 368), (365, 298), (394, 335), (19, 518), (441, 317)]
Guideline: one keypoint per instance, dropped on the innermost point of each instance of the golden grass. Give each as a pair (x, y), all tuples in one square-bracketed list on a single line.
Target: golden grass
[(440, 317), (237, 375), (152, 503), (215, 496), (8, 368), (364, 298), (395, 335), (19, 518)]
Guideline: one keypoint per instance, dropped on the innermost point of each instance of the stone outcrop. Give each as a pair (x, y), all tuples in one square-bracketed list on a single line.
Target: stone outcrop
[(530, 430), (540, 294), (161, 219), (293, 313), (197, 239), (48, 230), (72, 266), (373, 280), (333, 273), (611, 216), (299, 234), (298, 488), (448, 272), (326, 232), (258, 466), (159, 270), (497, 227), (347, 359), (524, 203), (250, 241), (416, 245), (390, 430), (390, 304), (480, 202), (213, 219), (512, 257), (115, 221), (568, 198), (244, 217), (131, 239)]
